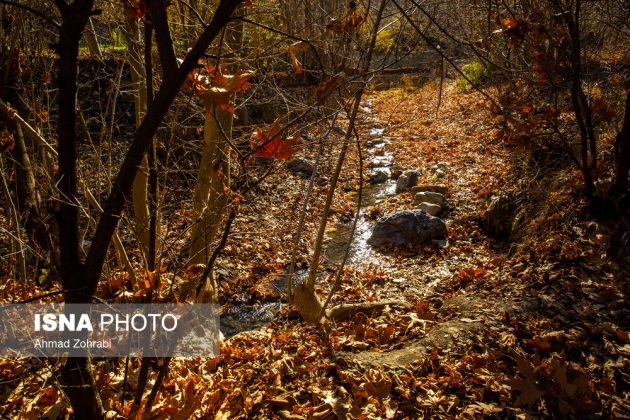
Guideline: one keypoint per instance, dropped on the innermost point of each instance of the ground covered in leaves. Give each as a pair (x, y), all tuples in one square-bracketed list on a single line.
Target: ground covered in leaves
[(486, 329)]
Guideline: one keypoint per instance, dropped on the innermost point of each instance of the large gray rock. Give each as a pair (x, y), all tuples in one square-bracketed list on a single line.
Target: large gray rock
[(301, 167), (407, 180), (378, 177), (409, 227), (432, 209), (430, 197), (442, 189)]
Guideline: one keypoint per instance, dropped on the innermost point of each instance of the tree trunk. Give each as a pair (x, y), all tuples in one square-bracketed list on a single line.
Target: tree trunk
[(213, 180), (77, 382), (92, 42), (121, 188), (141, 182), (75, 377), (305, 298), (209, 196)]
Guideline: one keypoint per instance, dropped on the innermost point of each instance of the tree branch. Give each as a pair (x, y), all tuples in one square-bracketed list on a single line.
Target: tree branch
[(121, 187), (159, 18), (33, 11)]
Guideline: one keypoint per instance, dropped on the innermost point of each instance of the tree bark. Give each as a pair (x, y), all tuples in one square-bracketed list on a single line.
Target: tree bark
[(92, 42), (75, 377), (141, 180), (209, 197)]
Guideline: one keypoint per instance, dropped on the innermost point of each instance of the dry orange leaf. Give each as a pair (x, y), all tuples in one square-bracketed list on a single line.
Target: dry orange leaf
[(294, 49)]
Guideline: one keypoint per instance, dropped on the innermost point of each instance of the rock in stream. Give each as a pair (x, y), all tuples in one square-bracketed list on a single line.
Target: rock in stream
[(407, 180), (409, 227)]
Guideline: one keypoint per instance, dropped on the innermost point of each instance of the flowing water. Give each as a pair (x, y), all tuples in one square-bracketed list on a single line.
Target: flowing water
[(241, 317), (379, 159)]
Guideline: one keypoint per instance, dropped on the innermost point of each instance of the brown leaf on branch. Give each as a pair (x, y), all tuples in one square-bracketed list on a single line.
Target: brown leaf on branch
[(346, 24), (327, 87), (218, 89), (294, 49)]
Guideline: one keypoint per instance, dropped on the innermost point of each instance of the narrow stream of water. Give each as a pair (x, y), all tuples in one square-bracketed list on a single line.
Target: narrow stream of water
[(243, 317), (379, 158)]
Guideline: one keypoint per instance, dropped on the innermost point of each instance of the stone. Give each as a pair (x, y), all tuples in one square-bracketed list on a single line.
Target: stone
[(442, 189), (378, 177), (431, 197), (439, 174), (380, 162), (301, 167), (429, 208), (437, 167), (395, 172), (440, 243), (407, 180), (407, 228)]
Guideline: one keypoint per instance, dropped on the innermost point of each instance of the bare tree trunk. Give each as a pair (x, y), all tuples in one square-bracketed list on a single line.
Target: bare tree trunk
[(209, 196), (75, 377), (213, 180), (27, 197), (578, 100), (141, 181), (92, 42)]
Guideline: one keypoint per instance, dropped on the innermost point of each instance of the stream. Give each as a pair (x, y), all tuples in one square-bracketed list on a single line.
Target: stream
[(240, 317)]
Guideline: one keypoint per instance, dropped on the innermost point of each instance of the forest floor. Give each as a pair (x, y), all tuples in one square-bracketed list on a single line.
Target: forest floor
[(538, 327)]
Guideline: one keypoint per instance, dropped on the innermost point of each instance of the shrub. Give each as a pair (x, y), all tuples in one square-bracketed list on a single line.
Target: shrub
[(476, 72)]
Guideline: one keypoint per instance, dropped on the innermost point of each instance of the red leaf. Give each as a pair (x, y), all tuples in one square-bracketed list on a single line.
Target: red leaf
[(135, 11), (510, 23), (327, 87), (273, 146), (528, 108)]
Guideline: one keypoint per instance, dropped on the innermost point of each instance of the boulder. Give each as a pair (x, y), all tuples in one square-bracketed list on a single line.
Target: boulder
[(429, 208), (407, 228), (431, 197), (380, 162), (301, 167), (378, 177), (439, 174), (395, 172), (442, 189), (407, 180)]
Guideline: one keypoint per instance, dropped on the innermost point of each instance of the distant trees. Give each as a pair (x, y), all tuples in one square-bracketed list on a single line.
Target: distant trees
[(542, 58)]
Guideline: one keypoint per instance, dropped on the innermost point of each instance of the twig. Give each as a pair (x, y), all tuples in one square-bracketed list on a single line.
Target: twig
[(444, 56), (309, 191), (33, 11), (346, 252)]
